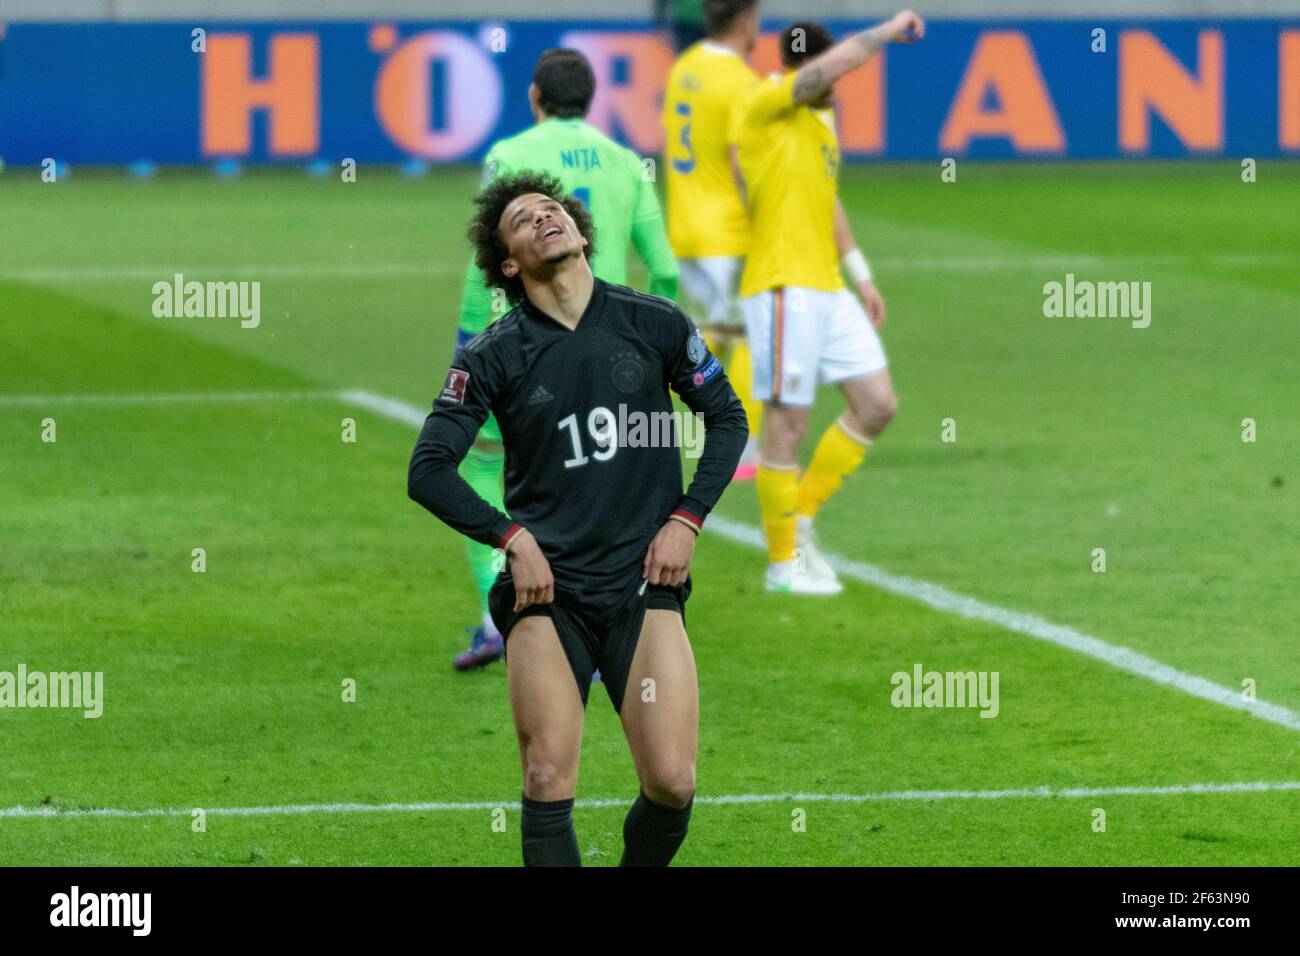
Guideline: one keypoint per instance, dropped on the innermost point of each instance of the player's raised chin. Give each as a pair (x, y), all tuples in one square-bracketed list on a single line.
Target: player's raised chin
[(537, 230)]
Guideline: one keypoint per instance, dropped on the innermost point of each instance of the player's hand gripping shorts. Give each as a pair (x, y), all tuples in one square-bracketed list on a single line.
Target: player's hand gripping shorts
[(596, 634), (800, 337)]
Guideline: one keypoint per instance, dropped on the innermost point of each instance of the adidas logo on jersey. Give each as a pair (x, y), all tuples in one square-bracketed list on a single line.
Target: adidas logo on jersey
[(540, 394)]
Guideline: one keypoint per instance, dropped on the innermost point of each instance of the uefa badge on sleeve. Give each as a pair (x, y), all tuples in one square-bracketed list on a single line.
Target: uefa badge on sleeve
[(707, 373), (454, 389), (696, 347)]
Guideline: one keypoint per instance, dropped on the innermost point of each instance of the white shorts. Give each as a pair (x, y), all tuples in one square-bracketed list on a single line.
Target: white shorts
[(800, 337), (710, 286)]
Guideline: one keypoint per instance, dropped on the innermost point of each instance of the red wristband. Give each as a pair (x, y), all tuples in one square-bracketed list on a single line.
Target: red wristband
[(509, 536), (692, 520)]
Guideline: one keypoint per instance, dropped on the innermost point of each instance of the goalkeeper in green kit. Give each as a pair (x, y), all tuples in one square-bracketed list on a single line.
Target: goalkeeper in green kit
[(620, 195)]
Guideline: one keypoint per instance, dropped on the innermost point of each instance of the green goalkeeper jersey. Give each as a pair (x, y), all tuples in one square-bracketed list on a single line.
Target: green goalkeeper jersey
[(610, 181)]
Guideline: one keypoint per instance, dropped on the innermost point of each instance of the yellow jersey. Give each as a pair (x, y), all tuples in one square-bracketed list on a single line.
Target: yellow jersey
[(705, 214), (790, 158)]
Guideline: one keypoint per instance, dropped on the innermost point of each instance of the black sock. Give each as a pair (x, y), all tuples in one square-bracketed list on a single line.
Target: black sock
[(549, 839), (652, 832)]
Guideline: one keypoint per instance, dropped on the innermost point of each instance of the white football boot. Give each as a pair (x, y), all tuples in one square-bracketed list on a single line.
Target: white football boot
[(788, 578), (809, 556)]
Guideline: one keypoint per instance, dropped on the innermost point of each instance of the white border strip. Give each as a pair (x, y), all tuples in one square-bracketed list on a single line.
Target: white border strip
[(925, 796)]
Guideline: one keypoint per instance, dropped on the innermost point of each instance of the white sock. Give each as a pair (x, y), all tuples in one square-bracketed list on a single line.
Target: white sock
[(781, 569), (804, 526), (490, 629)]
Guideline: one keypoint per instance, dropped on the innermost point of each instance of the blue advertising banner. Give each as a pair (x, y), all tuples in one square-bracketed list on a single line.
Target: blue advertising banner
[(442, 92)]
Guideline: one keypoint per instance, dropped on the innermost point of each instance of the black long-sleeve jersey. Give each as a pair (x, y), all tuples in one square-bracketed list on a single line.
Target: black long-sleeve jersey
[(592, 458)]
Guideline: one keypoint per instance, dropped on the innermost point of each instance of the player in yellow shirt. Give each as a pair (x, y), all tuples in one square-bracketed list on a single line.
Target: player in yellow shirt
[(804, 326), (708, 227)]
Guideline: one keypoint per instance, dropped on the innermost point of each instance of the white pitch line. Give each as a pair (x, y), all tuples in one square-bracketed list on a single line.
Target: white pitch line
[(950, 602), (393, 408), (924, 796)]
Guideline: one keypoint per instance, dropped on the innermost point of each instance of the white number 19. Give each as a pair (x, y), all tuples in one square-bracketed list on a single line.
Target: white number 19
[(603, 428)]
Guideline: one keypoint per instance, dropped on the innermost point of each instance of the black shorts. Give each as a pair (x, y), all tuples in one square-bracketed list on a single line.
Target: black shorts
[(594, 636)]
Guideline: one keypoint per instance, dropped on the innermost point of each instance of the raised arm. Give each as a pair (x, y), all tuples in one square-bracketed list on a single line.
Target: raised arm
[(816, 77)]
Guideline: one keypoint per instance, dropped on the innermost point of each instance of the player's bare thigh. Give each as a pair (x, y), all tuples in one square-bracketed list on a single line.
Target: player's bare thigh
[(547, 709), (872, 403), (661, 709)]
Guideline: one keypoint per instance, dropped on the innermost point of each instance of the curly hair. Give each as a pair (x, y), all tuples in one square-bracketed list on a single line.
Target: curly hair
[(484, 229)]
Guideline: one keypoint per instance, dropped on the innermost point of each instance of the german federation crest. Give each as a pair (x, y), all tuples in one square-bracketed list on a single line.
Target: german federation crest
[(627, 374)]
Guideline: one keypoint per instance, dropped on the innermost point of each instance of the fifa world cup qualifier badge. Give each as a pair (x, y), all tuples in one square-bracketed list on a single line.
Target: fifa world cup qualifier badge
[(453, 390)]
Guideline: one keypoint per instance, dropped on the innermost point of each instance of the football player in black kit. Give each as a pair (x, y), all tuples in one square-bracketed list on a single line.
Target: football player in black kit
[(600, 535)]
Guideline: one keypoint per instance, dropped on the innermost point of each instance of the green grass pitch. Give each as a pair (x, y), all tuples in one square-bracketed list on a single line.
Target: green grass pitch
[(223, 689)]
